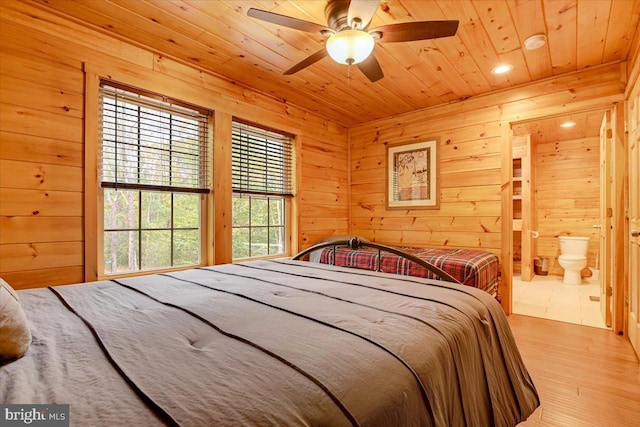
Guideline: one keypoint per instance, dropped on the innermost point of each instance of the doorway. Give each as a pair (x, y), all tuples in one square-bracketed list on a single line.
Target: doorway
[(563, 200)]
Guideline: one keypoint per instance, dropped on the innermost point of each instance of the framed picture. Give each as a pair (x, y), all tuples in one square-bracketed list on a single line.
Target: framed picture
[(412, 175)]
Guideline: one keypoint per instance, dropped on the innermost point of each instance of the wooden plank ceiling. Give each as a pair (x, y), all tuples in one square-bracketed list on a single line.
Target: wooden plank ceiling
[(218, 36), (587, 125)]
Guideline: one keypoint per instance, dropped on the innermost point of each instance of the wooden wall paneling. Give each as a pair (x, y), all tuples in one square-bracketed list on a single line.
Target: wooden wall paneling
[(22, 202), (470, 149), (469, 194), (472, 178), (335, 225), (322, 191), (477, 162), (433, 238), (17, 174), (471, 163), (326, 211), (47, 140), (566, 197), (486, 224), (30, 121), (68, 76), (20, 229), (312, 183), (37, 149), (44, 277), (223, 198), (36, 256), (41, 97), (93, 197)]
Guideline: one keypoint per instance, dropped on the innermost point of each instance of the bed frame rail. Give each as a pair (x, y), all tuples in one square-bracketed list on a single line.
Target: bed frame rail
[(357, 243)]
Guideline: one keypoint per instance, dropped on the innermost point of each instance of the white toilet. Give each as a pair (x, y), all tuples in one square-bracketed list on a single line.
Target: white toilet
[(573, 257)]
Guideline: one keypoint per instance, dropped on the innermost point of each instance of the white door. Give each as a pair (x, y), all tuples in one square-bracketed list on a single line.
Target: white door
[(605, 218), (633, 120)]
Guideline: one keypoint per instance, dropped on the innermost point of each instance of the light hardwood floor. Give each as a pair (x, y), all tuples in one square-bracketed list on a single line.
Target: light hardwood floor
[(585, 376)]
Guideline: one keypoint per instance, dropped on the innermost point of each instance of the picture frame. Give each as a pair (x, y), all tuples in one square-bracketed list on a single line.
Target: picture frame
[(412, 175)]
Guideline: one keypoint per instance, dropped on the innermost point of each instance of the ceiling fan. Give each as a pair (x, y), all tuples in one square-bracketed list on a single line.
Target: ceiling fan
[(349, 41)]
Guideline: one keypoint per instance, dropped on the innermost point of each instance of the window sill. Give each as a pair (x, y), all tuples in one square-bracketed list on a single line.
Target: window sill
[(147, 272)]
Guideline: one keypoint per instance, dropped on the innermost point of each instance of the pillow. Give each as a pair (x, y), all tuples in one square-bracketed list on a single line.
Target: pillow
[(15, 335)]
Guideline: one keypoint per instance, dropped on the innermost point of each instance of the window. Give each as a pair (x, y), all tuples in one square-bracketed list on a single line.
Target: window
[(262, 190), (153, 174)]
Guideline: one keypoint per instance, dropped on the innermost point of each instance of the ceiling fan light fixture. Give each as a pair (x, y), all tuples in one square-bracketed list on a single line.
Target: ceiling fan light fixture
[(350, 46)]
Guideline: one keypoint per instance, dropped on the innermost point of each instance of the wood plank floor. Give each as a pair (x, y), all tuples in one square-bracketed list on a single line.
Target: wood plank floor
[(585, 376)]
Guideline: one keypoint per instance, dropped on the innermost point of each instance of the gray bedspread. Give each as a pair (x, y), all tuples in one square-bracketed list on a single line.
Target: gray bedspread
[(271, 343)]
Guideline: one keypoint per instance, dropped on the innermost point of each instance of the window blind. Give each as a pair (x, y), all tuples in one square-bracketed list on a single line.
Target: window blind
[(151, 144), (261, 161)]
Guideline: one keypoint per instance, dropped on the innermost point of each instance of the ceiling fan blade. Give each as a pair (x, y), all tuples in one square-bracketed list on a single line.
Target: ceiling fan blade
[(370, 67), (410, 31), (287, 21), (362, 10), (306, 62)]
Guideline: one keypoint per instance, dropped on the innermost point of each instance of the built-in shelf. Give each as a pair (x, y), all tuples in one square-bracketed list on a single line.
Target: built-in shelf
[(522, 206)]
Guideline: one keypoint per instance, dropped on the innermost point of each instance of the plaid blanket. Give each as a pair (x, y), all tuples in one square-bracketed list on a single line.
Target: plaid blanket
[(475, 268)]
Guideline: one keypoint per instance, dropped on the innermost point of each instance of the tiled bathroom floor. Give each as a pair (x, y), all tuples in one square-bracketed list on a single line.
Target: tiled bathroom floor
[(547, 297)]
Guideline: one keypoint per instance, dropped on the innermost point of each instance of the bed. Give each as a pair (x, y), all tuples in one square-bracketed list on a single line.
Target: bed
[(271, 342), (471, 267)]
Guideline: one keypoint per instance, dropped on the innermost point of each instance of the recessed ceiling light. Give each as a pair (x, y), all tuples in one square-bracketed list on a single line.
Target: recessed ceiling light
[(535, 42), (568, 124), (501, 69)]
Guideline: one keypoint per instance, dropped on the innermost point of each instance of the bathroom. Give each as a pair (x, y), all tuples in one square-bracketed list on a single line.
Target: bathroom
[(563, 200)]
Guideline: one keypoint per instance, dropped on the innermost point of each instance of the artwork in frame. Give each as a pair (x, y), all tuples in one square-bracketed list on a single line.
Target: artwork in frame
[(412, 175)]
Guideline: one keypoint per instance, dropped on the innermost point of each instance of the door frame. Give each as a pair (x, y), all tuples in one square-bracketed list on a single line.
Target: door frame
[(506, 256), (605, 234)]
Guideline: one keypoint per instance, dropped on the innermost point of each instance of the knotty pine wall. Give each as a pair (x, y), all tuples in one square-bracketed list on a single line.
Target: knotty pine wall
[(42, 58), (567, 195), (475, 163)]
